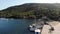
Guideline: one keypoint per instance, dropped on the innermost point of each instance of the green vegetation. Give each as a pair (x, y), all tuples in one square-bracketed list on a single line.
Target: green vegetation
[(32, 10)]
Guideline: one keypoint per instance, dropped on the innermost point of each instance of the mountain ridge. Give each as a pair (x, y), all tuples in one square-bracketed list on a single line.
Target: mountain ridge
[(56, 4)]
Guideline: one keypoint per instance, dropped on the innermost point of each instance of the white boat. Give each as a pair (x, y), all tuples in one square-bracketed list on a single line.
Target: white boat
[(33, 27), (37, 31), (36, 25)]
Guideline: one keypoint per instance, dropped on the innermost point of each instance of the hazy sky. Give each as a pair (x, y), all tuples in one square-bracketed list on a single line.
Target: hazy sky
[(7, 3)]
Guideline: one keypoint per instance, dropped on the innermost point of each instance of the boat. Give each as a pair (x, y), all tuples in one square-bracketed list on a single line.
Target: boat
[(37, 31), (33, 27), (38, 24)]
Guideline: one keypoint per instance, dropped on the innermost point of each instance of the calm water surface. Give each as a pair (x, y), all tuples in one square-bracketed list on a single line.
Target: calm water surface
[(15, 26)]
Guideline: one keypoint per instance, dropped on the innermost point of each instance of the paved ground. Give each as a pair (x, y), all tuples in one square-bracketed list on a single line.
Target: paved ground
[(57, 29), (56, 26), (45, 29)]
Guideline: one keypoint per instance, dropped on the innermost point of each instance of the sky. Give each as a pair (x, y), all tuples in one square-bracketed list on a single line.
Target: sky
[(7, 3)]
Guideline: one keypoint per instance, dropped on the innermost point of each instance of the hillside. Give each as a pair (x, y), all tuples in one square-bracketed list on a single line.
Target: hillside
[(32, 10)]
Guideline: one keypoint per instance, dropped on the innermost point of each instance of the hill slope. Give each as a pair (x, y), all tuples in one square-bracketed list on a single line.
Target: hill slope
[(32, 10)]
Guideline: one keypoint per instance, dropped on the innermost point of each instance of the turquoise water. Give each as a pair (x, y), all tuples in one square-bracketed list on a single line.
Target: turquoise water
[(15, 26)]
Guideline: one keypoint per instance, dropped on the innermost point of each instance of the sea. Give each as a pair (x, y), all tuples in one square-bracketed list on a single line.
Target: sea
[(15, 26)]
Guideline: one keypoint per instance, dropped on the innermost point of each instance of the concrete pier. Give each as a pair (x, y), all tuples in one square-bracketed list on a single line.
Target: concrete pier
[(56, 26)]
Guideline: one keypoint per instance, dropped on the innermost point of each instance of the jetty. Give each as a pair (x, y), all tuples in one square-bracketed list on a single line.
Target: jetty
[(56, 26)]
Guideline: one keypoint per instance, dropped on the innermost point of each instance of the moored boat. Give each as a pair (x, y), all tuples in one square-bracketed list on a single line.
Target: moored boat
[(33, 27)]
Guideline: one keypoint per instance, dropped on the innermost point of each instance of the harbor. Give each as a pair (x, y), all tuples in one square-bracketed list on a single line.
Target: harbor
[(46, 28)]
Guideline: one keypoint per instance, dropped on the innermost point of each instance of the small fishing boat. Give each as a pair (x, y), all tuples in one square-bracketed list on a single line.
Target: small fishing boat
[(37, 31), (33, 27)]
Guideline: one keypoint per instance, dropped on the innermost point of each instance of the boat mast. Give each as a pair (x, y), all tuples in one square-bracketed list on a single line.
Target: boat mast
[(35, 20)]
